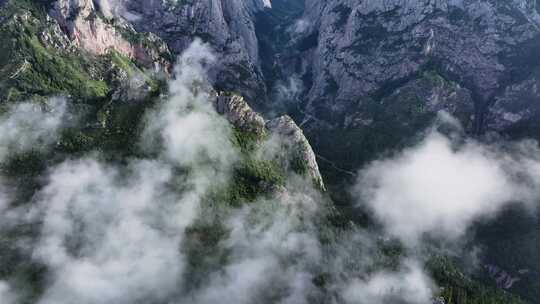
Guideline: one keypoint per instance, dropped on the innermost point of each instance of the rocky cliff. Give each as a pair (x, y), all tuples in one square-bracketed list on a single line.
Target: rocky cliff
[(296, 153), (227, 25), (366, 76), (97, 25), (361, 76), (92, 26), (345, 55), (359, 51)]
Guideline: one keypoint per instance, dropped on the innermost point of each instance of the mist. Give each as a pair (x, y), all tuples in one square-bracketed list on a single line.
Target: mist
[(116, 8), (30, 126), (409, 284), (443, 185), (131, 233)]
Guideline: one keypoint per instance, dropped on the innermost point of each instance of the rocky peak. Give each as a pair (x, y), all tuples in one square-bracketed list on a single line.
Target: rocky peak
[(297, 143), (298, 153), (239, 113)]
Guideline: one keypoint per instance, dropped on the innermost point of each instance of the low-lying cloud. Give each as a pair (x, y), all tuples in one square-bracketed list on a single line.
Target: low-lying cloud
[(272, 251), (30, 126), (189, 130), (6, 295), (116, 8), (407, 285), (441, 186), (110, 233), (107, 241)]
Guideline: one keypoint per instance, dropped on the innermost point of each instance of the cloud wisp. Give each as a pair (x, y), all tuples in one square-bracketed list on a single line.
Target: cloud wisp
[(113, 234), (30, 126), (409, 285), (441, 186)]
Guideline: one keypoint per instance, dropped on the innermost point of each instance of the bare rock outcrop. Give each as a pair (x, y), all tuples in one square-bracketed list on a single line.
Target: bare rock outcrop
[(297, 153), (95, 30), (239, 113), (227, 25), (354, 50), (301, 152)]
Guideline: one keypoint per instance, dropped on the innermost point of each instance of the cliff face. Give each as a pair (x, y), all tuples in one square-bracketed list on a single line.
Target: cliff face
[(91, 26), (227, 25), (347, 54), (362, 74), (371, 49), (357, 66)]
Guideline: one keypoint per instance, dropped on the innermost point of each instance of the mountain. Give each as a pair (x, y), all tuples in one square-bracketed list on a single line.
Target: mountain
[(352, 66), (203, 151), (365, 63)]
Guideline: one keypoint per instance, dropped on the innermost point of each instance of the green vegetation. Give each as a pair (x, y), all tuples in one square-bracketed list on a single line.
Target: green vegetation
[(124, 63), (49, 73), (299, 165), (253, 179), (458, 288), (204, 255), (30, 68), (247, 142)]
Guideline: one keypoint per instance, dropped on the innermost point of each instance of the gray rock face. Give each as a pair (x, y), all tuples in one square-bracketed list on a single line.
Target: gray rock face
[(349, 54), (503, 279), (297, 142), (372, 48), (240, 114), (297, 151), (225, 24), (517, 107)]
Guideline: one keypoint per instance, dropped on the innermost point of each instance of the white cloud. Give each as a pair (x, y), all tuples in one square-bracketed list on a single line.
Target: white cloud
[(300, 27), (116, 8), (272, 246), (113, 234), (108, 239), (190, 130), (30, 126), (287, 93), (409, 285), (116, 233), (440, 187), (6, 295)]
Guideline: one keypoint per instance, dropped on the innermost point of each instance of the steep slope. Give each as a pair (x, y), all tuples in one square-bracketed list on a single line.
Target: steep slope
[(227, 25), (370, 48), (351, 69), (43, 56)]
